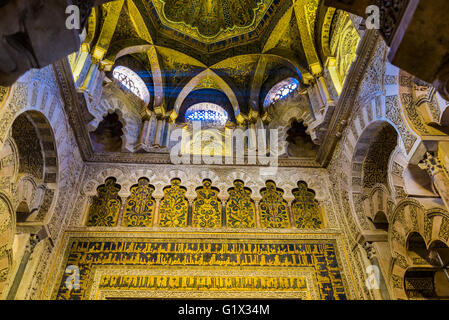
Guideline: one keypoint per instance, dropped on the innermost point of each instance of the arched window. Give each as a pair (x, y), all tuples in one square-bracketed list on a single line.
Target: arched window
[(281, 91), (208, 113), (130, 80)]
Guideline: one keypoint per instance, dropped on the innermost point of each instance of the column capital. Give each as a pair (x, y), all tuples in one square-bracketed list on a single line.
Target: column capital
[(370, 250), (160, 111), (432, 164), (146, 114), (32, 243)]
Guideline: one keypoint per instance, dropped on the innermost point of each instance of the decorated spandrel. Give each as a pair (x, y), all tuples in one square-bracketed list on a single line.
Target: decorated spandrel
[(206, 207), (305, 209), (140, 206), (174, 206), (106, 205), (273, 207), (240, 209)]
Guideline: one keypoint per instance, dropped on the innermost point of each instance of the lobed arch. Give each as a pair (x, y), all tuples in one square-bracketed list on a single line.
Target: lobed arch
[(36, 194), (47, 142), (387, 198), (423, 106), (377, 204), (396, 167), (369, 115), (124, 184), (129, 119), (411, 217), (91, 185), (37, 91), (361, 197)]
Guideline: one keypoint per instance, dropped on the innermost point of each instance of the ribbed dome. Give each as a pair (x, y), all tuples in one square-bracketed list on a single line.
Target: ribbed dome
[(211, 17)]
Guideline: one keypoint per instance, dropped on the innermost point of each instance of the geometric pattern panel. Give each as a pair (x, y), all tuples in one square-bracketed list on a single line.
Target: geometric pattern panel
[(206, 207), (106, 205), (273, 207), (140, 206), (184, 257), (174, 206), (305, 209), (240, 208)]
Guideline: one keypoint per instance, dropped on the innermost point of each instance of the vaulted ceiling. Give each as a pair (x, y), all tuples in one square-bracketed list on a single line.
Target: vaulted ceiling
[(191, 42)]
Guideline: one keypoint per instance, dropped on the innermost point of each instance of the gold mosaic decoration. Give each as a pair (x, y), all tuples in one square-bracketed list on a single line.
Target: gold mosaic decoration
[(173, 265), (273, 207), (202, 283), (305, 209), (206, 207), (208, 20), (140, 206), (106, 205), (207, 83), (240, 208), (174, 206)]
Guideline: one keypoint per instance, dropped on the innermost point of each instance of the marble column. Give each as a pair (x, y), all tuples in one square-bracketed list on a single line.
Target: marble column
[(167, 131), (322, 86), (191, 200), (374, 277), (32, 242), (223, 200), (315, 99), (261, 136), (258, 222), (156, 212), (290, 212), (145, 130), (158, 137)]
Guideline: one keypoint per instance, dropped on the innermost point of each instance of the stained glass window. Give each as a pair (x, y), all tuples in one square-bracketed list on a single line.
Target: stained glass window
[(207, 113), (280, 91), (131, 81)]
